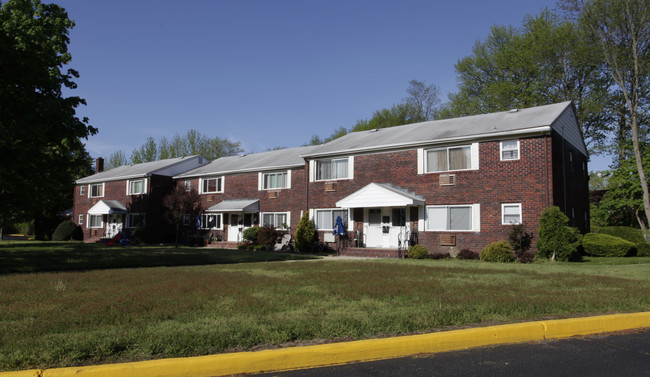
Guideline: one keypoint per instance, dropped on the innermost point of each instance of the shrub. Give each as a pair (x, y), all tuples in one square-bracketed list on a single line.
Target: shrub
[(417, 252), (267, 236), (64, 231), (497, 252), (526, 257), (643, 249), (440, 256), (519, 239), (78, 233), (251, 234), (556, 237), (305, 234), (627, 233), (604, 245), (467, 254)]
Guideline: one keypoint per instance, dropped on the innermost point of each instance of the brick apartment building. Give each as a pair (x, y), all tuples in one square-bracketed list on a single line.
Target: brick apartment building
[(449, 184)]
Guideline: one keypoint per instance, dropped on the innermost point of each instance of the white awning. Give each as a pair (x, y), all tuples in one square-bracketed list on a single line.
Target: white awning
[(377, 195), (107, 207), (237, 205)]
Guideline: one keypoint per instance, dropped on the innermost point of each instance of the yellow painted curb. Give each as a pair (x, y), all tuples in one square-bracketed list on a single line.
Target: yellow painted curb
[(362, 350)]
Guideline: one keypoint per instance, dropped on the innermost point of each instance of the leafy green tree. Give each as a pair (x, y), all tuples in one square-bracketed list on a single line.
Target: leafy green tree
[(621, 31), (146, 153), (556, 237), (180, 204), (192, 143), (41, 152), (420, 105), (547, 60), (622, 204), (424, 99), (116, 159)]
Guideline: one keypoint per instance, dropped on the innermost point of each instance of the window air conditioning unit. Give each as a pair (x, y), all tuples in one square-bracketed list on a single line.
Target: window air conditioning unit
[(447, 179), (330, 186), (274, 194), (447, 240)]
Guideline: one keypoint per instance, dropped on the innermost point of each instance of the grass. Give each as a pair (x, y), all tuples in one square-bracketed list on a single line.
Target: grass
[(65, 318), (27, 256)]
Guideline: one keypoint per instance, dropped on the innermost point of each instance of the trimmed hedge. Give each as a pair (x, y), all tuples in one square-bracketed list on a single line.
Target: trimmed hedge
[(627, 233), (65, 232), (604, 245), (418, 252), (497, 252)]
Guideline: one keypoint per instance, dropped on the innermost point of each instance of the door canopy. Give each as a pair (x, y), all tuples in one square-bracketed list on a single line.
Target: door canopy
[(107, 207), (377, 195), (237, 205)]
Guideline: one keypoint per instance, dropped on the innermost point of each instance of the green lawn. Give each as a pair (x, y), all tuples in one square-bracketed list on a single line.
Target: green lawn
[(99, 315)]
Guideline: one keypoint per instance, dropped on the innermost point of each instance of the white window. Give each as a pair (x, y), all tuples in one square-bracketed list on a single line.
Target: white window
[(136, 187), (187, 185), (275, 180), (95, 221), (453, 218), (511, 213), (450, 159), (97, 190), (509, 150), (278, 220), (326, 218), (211, 185), (82, 190), (81, 219), (134, 220), (211, 221), (336, 168)]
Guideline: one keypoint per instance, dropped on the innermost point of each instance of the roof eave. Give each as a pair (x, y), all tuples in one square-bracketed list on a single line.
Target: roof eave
[(235, 171), (528, 131)]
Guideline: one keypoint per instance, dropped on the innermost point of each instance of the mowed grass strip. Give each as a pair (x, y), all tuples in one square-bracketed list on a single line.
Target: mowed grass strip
[(60, 319), (26, 256)]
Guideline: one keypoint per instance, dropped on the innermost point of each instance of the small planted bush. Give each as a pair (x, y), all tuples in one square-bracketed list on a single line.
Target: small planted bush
[(250, 234), (627, 233), (305, 234), (604, 245), (267, 236), (520, 241), (65, 231), (556, 237), (440, 256), (467, 254), (497, 252), (417, 252)]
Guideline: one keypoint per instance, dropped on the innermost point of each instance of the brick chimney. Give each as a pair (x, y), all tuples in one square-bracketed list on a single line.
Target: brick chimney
[(99, 165)]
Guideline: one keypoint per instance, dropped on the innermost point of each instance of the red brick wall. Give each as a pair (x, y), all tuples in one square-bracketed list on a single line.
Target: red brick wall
[(527, 181), (150, 204), (245, 186)]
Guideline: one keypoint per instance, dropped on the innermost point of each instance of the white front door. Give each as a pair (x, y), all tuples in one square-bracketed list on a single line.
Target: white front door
[(113, 225), (235, 228), (384, 227)]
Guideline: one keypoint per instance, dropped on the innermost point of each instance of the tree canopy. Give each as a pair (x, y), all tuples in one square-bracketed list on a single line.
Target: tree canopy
[(420, 105), (192, 143), (41, 152)]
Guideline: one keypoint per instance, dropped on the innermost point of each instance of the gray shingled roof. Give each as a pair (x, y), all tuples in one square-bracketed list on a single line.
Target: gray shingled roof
[(446, 130), (271, 160), (133, 171)]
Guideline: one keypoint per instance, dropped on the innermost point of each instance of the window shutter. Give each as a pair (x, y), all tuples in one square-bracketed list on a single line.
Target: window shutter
[(289, 178), (260, 181), (420, 161), (474, 164), (351, 167)]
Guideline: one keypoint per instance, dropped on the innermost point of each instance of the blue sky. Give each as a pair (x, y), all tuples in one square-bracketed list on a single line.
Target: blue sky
[(265, 73)]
